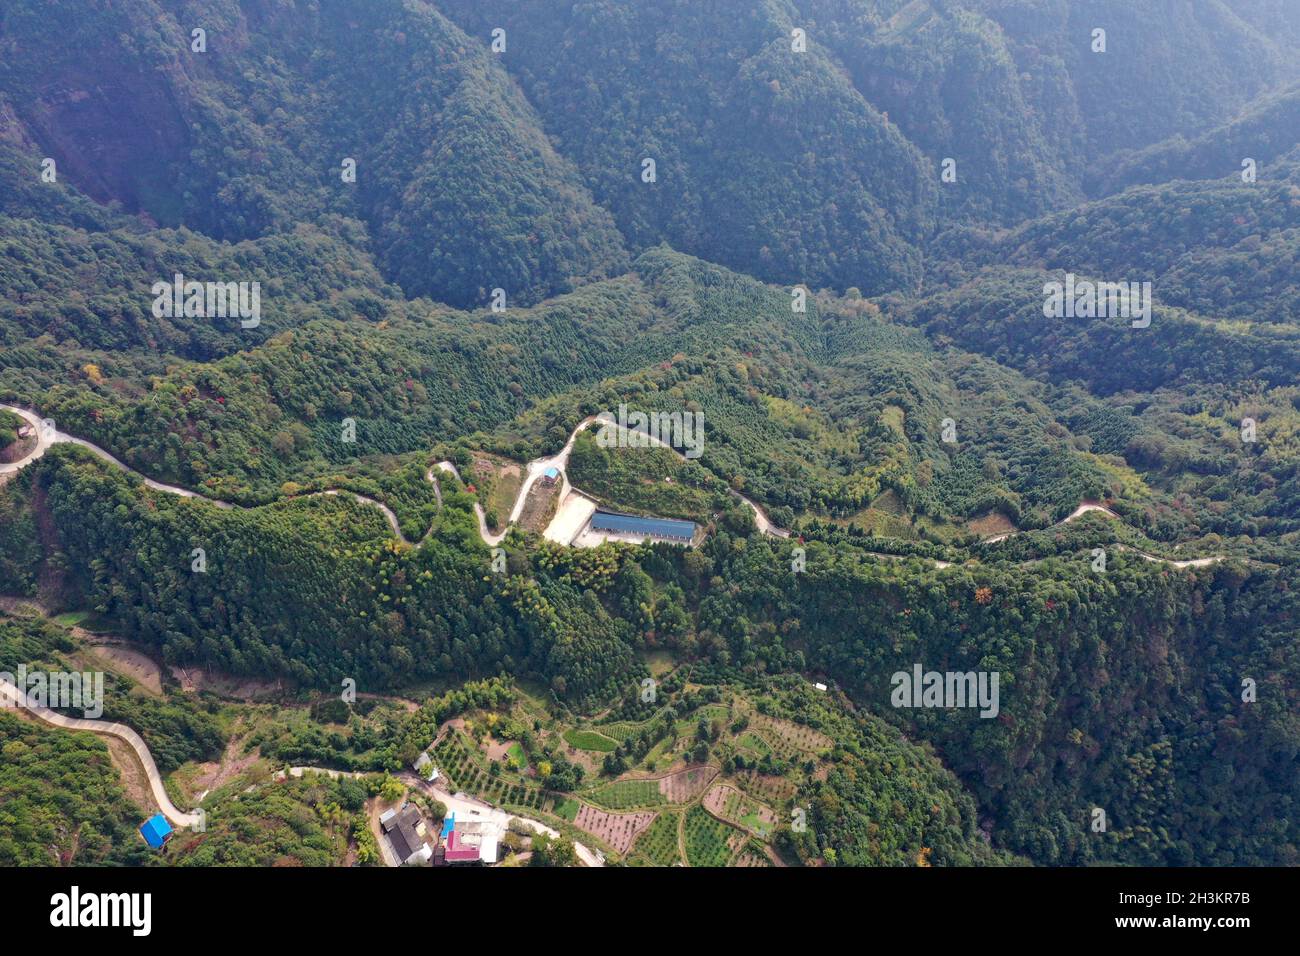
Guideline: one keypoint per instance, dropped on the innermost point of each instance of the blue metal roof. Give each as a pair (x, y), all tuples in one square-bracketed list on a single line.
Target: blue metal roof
[(156, 830), (652, 527)]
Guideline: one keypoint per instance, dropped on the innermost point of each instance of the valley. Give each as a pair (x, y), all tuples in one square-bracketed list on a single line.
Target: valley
[(514, 433)]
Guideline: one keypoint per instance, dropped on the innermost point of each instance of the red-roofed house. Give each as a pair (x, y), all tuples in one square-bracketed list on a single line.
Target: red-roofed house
[(458, 853)]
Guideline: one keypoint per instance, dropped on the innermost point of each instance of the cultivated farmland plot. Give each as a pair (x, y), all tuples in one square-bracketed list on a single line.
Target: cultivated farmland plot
[(466, 769), (566, 809), (710, 712), (725, 801), (766, 787), (657, 844), (709, 841), (685, 785), (590, 740), (617, 830), (628, 794), (753, 744), (751, 856), (621, 730), (789, 739)]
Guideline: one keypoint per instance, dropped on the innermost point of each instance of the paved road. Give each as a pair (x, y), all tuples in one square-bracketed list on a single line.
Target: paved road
[(48, 436), (51, 436), (469, 808), (1078, 512), (1095, 506), (490, 539), (111, 729), (560, 460)]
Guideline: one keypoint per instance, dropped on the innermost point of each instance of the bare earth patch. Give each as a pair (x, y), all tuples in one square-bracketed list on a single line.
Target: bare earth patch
[(616, 829), (194, 679), (16, 451), (134, 781), (212, 775), (539, 507), (138, 666), (497, 749), (571, 517), (685, 785), (990, 524)]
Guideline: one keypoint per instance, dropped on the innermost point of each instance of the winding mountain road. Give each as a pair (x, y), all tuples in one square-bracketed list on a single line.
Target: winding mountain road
[(17, 698), (48, 435), (1087, 507)]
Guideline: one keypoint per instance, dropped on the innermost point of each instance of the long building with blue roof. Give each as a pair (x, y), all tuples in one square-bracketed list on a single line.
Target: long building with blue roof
[(659, 529)]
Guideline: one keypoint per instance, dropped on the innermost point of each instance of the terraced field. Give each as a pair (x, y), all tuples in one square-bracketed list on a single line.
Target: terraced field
[(725, 801), (618, 830), (466, 769), (752, 744), (790, 740), (518, 759), (622, 729), (709, 712), (657, 844), (566, 809), (627, 794), (691, 816), (709, 841), (751, 856), (685, 785), (770, 789), (590, 740)]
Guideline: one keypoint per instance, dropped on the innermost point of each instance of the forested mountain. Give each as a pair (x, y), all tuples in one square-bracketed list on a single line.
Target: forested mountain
[(864, 327), (1265, 136), (1170, 66), (526, 149), (251, 136), (827, 192)]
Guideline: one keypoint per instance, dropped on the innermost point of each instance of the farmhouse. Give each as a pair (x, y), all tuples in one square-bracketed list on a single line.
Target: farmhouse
[(634, 526), (405, 832), (456, 848), (549, 477)]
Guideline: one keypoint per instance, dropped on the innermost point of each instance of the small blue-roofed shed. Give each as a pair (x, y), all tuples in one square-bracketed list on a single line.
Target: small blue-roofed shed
[(156, 830), (448, 825)]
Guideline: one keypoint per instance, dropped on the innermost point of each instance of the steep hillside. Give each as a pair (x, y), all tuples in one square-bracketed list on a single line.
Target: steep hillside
[(474, 226), (251, 135), (1267, 134), (1170, 66), (767, 160), (1222, 248), (947, 78)]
